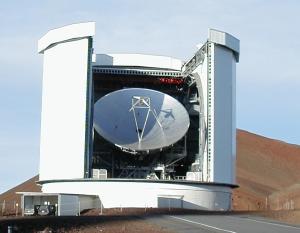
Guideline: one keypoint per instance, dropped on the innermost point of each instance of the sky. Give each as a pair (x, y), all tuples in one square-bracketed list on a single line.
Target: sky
[(268, 75)]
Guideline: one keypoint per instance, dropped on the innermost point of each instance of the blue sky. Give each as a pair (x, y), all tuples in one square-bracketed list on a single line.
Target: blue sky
[(268, 75)]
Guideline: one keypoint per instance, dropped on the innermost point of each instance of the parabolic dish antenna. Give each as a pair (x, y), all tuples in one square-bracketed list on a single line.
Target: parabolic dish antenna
[(138, 119)]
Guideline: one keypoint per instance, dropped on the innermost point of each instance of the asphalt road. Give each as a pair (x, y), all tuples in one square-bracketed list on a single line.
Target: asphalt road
[(221, 223)]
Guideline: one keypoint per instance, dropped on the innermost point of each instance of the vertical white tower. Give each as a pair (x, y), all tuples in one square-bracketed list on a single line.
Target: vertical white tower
[(213, 68), (66, 119)]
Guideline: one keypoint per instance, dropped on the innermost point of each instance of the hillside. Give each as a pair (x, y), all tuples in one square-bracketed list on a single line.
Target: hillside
[(11, 198), (268, 173)]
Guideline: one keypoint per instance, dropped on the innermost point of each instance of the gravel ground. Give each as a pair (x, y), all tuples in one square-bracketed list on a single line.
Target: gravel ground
[(83, 224)]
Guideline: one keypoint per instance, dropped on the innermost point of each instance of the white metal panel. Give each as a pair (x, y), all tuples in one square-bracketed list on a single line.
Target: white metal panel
[(233, 146), (88, 202), (68, 205), (146, 194), (142, 60), (66, 33), (225, 39), (224, 110), (169, 202), (63, 119)]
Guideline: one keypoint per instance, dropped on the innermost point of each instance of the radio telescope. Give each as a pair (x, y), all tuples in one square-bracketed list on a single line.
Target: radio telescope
[(138, 119)]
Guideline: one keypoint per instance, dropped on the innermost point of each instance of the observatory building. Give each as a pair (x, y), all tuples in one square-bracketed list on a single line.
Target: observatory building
[(134, 130)]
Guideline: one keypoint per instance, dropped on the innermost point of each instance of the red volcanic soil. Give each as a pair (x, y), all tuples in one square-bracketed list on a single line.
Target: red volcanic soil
[(11, 198), (268, 173)]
